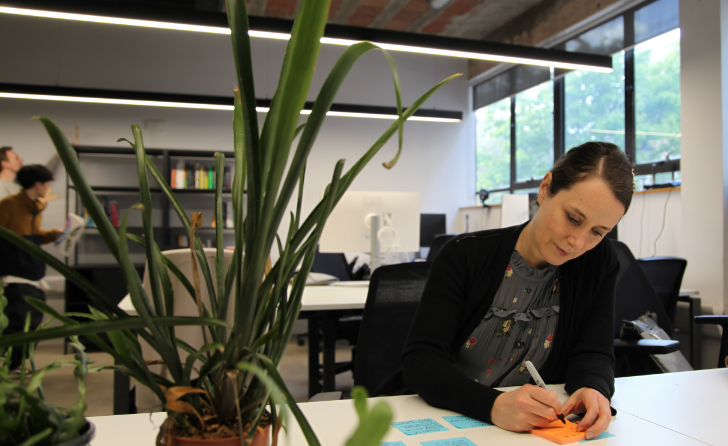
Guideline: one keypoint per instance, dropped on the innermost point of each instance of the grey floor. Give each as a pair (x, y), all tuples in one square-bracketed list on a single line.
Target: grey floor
[(60, 385)]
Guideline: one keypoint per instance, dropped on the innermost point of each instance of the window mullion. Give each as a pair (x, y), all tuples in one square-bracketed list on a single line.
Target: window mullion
[(630, 142), (559, 119), (513, 143)]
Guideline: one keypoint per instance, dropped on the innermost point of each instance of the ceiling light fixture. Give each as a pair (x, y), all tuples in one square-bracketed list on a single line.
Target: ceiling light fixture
[(345, 35), (86, 95)]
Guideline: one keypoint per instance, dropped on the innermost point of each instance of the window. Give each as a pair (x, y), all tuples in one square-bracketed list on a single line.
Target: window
[(493, 145), (657, 98), (637, 106), (534, 132), (594, 106)]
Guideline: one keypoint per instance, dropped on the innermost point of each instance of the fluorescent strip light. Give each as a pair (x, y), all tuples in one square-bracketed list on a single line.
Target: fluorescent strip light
[(114, 20), (471, 55), (284, 36), (44, 97)]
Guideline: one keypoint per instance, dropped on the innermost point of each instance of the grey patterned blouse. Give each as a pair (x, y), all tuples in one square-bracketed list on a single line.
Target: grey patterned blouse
[(519, 327)]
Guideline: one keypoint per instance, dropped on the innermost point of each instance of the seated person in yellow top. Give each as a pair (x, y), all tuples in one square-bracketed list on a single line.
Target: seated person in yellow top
[(20, 271)]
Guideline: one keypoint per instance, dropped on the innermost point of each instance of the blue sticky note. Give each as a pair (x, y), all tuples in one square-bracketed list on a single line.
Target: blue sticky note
[(463, 422), (604, 434), (392, 443), (418, 427), (460, 441)]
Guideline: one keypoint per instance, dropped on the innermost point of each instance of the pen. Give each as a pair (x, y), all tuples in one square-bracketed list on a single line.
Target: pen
[(539, 382)]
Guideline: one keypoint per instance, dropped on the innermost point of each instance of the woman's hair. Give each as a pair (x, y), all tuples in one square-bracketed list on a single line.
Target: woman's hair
[(602, 160)]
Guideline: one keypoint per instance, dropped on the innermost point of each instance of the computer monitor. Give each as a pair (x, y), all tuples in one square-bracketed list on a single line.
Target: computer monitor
[(348, 230), (430, 226)]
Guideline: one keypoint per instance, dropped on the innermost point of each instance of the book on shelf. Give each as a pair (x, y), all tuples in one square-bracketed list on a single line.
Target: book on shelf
[(228, 213), (111, 209), (114, 213), (198, 176)]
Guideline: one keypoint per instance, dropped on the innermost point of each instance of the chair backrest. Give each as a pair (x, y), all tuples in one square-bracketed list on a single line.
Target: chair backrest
[(635, 295), (665, 274), (184, 305), (394, 294), (437, 243), (331, 263)]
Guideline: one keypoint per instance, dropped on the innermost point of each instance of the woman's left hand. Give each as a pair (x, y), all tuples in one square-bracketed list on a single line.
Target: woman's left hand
[(598, 414)]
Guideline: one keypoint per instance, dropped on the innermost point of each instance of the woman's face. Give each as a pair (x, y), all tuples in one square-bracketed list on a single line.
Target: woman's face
[(573, 221)]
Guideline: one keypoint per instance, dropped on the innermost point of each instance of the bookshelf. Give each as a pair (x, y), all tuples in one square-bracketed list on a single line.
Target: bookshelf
[(112, 174)]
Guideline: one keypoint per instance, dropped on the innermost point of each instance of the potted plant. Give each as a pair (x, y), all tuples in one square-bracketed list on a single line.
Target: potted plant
[(237, 365), (26, 418)]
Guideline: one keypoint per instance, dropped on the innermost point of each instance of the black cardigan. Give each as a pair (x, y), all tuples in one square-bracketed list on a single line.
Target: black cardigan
[(460, 289)]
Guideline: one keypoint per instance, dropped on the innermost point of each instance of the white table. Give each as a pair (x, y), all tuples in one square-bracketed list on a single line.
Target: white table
[(691, 403), (322, 305), (678, 409)]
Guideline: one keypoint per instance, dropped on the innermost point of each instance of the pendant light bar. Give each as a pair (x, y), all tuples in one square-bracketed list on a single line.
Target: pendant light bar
[(263, 27), (94, 96)]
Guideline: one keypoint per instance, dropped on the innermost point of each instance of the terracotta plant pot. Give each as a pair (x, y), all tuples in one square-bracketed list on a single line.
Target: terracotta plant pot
[(260, 439)]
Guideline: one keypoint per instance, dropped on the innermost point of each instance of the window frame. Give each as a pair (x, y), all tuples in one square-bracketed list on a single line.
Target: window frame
[(559, 112)]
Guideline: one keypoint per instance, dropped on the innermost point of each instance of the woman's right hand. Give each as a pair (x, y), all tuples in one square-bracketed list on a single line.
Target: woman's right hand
[(525, 408)]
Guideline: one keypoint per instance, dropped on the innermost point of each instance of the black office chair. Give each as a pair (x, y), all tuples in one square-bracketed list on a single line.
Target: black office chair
[(394, 294), (437, 243), (635, 296), (665, 274), (721, 320), (333, 264)]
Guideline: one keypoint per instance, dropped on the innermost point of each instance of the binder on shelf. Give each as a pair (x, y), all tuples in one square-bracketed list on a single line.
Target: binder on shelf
[(180, 175), (114, 213), (228, 208)]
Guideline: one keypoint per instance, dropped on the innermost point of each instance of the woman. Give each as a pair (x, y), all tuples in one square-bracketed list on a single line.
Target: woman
[(543, 292)]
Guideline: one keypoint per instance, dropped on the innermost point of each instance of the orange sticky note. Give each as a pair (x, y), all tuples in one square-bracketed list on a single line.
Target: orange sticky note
[(560, 433)]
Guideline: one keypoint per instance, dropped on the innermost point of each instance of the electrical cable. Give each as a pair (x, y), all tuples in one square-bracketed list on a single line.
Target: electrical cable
[(642, 220), (664, 219)]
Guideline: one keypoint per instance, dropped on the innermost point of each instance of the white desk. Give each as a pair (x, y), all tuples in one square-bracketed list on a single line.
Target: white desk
[(337, 296), (678, 409), (692, 403), (322, 305)]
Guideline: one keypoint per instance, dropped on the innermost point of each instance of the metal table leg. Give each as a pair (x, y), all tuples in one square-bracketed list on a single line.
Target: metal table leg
[(121, 393), (696, 334), (313, 355), (329, 366)]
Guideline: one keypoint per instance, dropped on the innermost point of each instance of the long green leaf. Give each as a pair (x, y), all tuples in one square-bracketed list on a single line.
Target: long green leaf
[(315, 215), (73, 168), (293, 86), (185, 220), (238, 22), (84, 328), (271, 368), (321, 106), (152, 267), (222, 301), (93, 293), (159, 341)]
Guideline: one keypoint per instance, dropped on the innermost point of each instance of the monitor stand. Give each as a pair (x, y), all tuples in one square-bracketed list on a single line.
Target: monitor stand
[(374, 257)]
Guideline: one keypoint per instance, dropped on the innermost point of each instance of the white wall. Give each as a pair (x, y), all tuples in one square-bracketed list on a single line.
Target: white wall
[(436, 159), (653, 225), (704, 46)]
